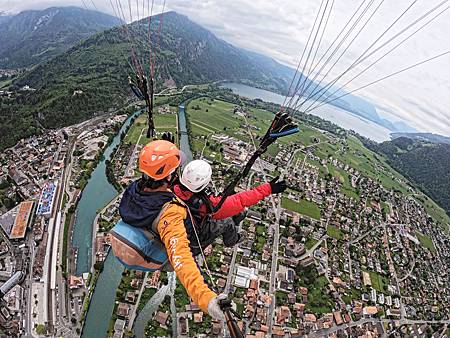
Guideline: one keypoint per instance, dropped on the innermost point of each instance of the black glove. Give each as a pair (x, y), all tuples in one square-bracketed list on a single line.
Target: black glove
[(168, 136), (278, 187)]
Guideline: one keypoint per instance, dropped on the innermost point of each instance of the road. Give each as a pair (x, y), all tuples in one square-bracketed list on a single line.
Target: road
[(275, 248), (59, 297), (276, 238), (161, 93), (276, 207), (231, 271), (394, 272), (365, 234), (233, 260), (61, 281), (204, 146), (129, 170), (326, 332), (134, 311)]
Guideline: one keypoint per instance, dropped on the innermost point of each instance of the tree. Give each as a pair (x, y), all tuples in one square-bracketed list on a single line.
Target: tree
[(40, 329), (100, 144), (98, 266)]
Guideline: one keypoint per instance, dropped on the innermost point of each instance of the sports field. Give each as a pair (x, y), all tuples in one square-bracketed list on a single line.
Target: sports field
[(303, 207)]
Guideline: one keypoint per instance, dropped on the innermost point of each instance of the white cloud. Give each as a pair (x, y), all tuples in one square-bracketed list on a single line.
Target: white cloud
[(280, 28)]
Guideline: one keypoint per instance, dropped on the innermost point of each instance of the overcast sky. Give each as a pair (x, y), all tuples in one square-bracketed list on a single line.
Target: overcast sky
[(280, 29)]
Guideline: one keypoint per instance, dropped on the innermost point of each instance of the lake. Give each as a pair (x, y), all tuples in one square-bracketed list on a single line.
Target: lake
[(328, 112)]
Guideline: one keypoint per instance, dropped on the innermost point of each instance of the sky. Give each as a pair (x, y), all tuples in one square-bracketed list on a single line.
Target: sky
[(280, 29)]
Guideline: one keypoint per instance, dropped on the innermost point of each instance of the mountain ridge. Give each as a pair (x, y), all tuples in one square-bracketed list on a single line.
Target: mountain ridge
[(33, 36), (187, 54), (96, 69), (429, 137)]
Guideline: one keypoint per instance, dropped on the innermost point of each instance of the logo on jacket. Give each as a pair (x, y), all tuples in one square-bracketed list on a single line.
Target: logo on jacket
[(176, 259)]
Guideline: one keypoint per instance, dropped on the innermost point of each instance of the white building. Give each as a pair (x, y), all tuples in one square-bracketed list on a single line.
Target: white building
[(244, 275)]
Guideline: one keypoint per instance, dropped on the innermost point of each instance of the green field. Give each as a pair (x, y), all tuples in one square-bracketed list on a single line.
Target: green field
[(303, 207), (162, 123), (325, 150), (207, 116), (212, 115), (426, 241), (379, 282), (385, 208), (335, 232), (319, 301)]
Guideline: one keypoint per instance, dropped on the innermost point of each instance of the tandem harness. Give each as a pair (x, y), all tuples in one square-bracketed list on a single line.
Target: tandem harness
[(141, 248)]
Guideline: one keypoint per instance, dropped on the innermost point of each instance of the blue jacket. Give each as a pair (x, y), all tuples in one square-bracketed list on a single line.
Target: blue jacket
[(140, 208)]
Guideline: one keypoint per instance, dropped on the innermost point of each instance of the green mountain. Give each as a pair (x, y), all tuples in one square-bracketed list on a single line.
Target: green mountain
[(31, 37), (428, 137), (91, 77), (425, 163)]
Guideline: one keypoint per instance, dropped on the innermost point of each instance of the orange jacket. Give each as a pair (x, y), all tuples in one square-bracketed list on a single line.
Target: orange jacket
[(172, 231)]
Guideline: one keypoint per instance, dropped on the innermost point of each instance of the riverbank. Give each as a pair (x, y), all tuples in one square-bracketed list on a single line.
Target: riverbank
[(112, 179)]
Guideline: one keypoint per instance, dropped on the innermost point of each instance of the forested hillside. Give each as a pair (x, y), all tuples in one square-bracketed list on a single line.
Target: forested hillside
[(92, 76), (426, 164)]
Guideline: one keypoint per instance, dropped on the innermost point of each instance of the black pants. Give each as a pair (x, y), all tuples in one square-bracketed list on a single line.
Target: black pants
[(209, 231)]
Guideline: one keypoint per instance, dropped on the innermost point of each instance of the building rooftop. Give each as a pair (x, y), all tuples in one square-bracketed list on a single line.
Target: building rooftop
[(22, 220), (161, 317)]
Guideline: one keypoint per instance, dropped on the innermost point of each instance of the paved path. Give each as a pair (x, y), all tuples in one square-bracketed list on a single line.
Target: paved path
[(134, 311), (365, 234), (413, 265)]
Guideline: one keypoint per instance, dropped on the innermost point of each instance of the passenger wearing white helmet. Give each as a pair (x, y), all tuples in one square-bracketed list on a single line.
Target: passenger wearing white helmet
[(192, 190), (196, 175)]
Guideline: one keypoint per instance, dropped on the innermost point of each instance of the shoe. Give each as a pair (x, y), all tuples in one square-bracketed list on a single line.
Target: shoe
[(237, 219), (241, 236)]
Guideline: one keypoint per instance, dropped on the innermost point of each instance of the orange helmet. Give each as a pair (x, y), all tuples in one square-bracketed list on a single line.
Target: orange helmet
[(158, 159)]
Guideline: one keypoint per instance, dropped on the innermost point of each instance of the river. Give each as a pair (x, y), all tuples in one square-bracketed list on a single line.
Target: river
[(328, 112), (184, 139), (153, 304), (96, 195), (102, 302)]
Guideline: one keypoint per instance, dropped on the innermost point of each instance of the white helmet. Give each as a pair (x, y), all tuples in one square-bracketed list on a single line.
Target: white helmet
[(196, 175)]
